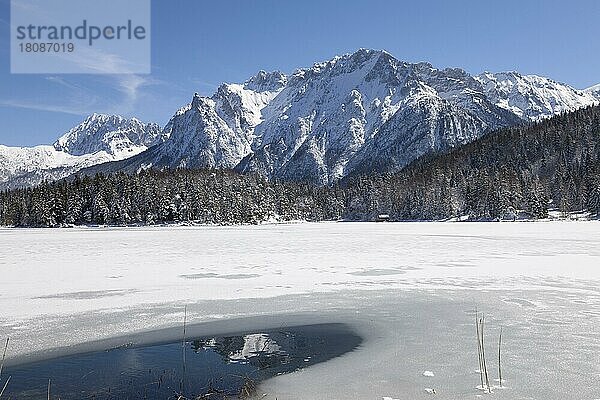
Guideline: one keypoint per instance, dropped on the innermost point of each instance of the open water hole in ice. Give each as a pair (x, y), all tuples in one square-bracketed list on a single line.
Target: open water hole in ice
[(215, 367)]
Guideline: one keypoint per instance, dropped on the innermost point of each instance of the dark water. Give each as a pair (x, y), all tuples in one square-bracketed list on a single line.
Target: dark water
[(214, 367)]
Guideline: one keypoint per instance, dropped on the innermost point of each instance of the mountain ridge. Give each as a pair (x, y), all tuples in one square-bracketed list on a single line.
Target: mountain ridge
[(356, 113), (360, 112)]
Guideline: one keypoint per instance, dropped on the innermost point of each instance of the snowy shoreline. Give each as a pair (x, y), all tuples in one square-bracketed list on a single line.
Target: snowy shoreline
[(554, 216)]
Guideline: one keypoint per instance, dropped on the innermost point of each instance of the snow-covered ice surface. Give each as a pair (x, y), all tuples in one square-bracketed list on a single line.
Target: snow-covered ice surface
[(410, 289)]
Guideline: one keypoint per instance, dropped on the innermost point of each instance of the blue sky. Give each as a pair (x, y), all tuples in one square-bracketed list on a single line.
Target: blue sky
[(197, 44)]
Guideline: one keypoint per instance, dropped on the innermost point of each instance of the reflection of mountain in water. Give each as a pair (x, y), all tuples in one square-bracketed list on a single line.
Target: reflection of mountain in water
[(263, 350)]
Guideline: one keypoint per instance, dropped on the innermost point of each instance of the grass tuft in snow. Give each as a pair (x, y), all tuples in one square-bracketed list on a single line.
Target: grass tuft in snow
[(484, 380)]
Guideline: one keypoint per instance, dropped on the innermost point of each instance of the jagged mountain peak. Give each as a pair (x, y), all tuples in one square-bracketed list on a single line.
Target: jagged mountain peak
[(266, 81), (195, 103), (116, 135), (196, 100), (364, 54), (345, 63)]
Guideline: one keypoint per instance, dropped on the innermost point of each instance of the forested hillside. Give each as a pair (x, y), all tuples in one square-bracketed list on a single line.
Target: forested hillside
[(511, 173), (553, 164)]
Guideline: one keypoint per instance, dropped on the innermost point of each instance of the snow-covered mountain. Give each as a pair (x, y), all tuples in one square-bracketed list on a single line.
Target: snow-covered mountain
[(214, 132), (356, 113), (533, 97), (113, 134), (360, 112), (366, 112), (98, 139), (219, 131)]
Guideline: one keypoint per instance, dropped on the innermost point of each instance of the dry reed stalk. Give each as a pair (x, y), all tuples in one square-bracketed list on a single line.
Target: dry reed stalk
[(487, 379), (4, 388), (2, 367), (479, 349), (183, 346), (500, 358)]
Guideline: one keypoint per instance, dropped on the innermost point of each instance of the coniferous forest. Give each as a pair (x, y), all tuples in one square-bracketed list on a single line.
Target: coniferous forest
[(520, 172)]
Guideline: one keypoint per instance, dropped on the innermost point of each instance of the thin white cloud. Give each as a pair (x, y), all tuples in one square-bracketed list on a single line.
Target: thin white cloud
[(111, 66), (66, 109), (77, 99), (129, 86), (90, 60), (67, 97), (63, 82)]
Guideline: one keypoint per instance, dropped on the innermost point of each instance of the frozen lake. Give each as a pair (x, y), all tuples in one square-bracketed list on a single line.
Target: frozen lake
[(410, 289)]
